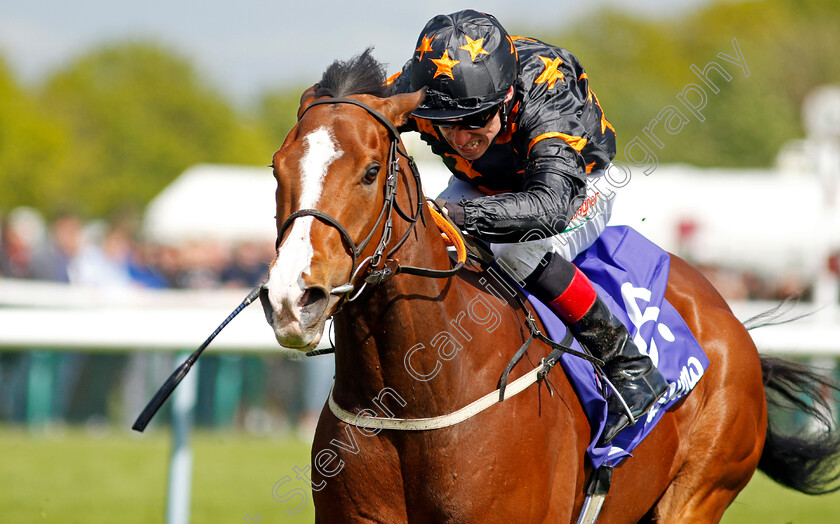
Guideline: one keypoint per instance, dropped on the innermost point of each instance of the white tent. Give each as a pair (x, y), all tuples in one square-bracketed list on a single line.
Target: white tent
[(217, 202), (232, 203), (759, 219)]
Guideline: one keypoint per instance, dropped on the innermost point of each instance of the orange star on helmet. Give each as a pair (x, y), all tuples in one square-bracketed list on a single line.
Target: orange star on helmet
[(474, 47), (426, 45), (444, 65)]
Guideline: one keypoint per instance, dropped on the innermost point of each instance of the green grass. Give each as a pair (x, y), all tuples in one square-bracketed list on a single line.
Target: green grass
[(765, 502), (73, 477)]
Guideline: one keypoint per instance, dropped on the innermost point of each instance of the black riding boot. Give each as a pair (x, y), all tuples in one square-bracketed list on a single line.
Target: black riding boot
[(571, 295), (632, 373)]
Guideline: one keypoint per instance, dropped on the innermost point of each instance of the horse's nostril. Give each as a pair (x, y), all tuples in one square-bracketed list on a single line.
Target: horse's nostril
[(312, 304), (311, 296), (268, 311)]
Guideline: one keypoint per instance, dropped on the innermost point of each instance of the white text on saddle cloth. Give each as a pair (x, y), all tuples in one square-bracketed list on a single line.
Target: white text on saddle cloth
[(630, 294), (692, 369)]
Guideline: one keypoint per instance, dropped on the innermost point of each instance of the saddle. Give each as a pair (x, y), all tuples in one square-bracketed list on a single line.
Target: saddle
[(630, 274)]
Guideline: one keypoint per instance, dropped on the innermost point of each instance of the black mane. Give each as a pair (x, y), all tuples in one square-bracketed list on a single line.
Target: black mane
[(361, 75)]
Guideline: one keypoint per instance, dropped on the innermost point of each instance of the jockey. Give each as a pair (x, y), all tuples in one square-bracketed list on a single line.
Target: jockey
[(515, 122)]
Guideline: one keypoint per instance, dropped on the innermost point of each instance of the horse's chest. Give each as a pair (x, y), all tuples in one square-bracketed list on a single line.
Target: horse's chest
[(437, 480)]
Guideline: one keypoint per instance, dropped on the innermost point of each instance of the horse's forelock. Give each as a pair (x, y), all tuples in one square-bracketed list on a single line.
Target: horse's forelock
[(361, 75)]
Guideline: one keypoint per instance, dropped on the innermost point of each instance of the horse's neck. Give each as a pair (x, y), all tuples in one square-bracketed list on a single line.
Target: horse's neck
[(432, 341)]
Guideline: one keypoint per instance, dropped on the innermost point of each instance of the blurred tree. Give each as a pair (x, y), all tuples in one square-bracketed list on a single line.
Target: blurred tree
[(278, 112), (637, 67), (31, 144), (114, 127), (139, 116)]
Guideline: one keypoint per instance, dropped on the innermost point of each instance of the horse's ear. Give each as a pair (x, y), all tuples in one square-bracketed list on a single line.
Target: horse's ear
[(398, 107), (306, 98)]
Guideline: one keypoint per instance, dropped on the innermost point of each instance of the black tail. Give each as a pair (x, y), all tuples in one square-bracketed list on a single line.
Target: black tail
[(807, 462)]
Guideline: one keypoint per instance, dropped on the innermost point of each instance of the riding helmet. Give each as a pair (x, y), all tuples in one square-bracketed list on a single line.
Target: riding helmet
[(467, 62)]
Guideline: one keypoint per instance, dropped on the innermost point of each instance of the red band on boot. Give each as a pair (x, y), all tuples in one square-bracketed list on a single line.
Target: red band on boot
[(576, 300)]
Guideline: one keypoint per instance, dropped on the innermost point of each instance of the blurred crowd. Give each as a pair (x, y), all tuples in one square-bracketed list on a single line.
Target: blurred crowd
[(109, 253), (267, 391), (736, 284), (259, 393), (66, 249)]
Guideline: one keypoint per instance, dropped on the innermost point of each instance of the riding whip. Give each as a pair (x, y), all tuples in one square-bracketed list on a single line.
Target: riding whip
[(178, 375)]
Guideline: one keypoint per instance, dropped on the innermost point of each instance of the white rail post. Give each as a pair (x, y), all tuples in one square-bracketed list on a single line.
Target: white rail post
[(821, 116), (180, 466)]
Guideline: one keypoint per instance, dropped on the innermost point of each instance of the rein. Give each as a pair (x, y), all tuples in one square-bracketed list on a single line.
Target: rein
[(373, 273), (377, 275)]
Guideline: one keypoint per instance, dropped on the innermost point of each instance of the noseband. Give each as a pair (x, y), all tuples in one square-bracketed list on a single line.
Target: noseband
[(373, 273), (391, 267)]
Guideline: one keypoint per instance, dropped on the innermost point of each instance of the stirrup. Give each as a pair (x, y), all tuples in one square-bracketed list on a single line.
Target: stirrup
[(620, 398)]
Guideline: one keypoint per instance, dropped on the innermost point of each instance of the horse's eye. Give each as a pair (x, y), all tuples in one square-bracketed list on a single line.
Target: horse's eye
[(370, 175)]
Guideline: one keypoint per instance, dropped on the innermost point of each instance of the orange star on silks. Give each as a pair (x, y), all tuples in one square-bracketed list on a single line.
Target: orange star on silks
[(426, 45), (517, 38), (590, 96), (474, 47), (550, 74), (393, 78), (604, 122), (444, 65)]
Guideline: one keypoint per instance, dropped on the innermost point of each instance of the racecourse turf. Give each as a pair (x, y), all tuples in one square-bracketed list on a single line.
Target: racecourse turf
[(73, 476)]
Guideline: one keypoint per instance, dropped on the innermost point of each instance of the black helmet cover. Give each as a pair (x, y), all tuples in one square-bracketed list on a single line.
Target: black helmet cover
[(467, 63)]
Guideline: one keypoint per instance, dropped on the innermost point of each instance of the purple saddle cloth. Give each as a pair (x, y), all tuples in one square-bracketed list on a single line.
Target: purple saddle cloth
[(630, 274)]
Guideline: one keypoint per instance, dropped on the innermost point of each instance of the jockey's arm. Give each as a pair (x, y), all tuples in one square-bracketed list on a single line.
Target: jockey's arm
[(553, 189)]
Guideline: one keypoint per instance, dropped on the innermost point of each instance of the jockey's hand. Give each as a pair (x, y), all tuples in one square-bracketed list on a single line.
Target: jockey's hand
[(454, 210), (441, 204)]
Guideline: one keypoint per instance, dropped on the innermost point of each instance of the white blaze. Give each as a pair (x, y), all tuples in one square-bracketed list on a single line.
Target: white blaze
[(294, 257)]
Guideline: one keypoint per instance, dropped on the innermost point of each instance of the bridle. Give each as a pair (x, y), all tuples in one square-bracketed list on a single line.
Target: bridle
[(373, 273), (376, 275), (372, 276)]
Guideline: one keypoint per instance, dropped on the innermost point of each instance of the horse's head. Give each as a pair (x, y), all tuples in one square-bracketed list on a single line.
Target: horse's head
[(332, 175)]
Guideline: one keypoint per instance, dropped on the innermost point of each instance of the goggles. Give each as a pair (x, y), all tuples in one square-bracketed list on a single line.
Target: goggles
[(474, 121)]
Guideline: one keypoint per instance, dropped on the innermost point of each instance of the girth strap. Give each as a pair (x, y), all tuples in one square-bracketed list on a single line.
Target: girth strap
[(443, 421)]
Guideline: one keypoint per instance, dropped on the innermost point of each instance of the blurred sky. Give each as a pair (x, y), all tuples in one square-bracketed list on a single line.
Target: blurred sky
[(245, 46)]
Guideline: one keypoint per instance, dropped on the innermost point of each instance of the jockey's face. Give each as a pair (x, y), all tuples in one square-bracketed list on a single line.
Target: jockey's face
[(472, 143)]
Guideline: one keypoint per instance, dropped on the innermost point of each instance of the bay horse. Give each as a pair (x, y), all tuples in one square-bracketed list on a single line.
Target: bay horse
[(416, 341)]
